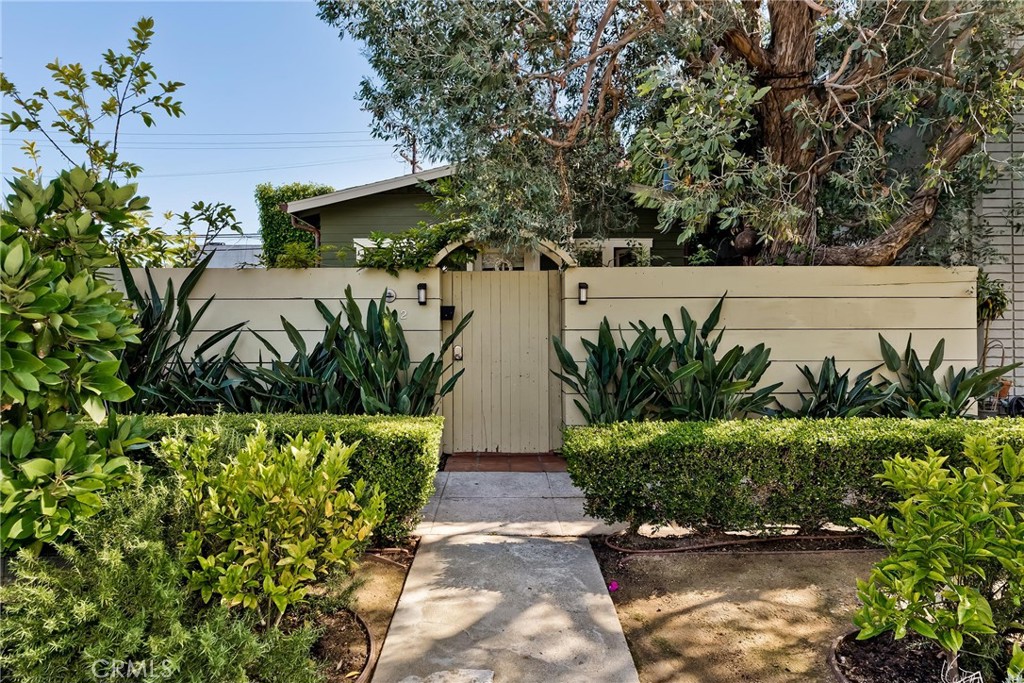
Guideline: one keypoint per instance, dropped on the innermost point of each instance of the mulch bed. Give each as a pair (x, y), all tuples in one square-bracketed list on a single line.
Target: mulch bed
[(884, 660), (344, 647), (731, 543)]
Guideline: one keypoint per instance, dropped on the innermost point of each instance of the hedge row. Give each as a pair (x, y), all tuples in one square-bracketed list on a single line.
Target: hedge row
[(754, 474), (400, 454)]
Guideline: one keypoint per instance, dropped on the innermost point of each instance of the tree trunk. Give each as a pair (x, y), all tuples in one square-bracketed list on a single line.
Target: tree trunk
[(791, 66)]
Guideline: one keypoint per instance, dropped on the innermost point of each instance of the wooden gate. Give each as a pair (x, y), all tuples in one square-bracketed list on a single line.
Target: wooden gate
[(507, 400)]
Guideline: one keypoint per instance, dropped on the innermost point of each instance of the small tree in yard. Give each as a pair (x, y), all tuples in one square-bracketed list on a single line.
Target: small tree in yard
[(830, 131)]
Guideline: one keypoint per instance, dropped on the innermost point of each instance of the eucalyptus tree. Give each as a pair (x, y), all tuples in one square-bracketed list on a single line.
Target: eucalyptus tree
[(811, 131)]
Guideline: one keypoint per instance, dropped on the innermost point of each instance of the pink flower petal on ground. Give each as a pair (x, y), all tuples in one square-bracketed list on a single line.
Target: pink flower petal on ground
[(613, 586)]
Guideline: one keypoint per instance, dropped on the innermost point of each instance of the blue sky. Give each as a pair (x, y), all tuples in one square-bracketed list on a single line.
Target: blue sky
[(269, 95)]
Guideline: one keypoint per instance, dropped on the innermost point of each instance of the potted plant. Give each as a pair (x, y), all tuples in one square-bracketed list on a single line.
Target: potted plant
[(992, 305)]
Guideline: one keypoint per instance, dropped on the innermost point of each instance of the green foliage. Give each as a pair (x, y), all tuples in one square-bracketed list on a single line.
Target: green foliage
[(704, 387), (678, 379), (275, 226), (919, 393), (121, 89), (415, 248), (125, 81), (62, 333), (823, 130), (616, 379), (116, 596), (696, 162), (955, 569), (992, 298), (754, 474), (399, 455), (831, 394), (166, 380), (272, 519), (302, 255), (375, 358)]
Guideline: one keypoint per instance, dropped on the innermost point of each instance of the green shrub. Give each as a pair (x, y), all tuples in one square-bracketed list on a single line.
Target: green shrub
[(752, 474), (831, 394), (164, 377), (116, 598), (616, 381), (716, 388), (62, 332), (270, 520), (276, 228), (400, 455), (681, 378), (955, 570), (919, 393)]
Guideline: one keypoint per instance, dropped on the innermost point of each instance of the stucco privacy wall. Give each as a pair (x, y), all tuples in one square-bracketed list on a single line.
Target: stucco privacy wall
[(804, 314), (261, 297)]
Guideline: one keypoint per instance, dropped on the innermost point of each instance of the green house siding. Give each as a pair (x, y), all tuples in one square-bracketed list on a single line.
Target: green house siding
[(357, 218), (400, 210), (664, 249)]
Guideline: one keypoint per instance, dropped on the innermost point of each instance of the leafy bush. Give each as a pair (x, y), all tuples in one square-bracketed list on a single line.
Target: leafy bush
[(62, 332), (271, 519), (919, 393), (415, 248), (363, 366), (616, 380), (678, 379), (955, 568), (276, 229), (164, 377), (832, 396), (753, 474), (400, 455), (116, 598), (716, 388)]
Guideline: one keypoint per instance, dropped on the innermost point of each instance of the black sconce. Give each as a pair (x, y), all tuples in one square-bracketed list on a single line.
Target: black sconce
[(583, 294), (421, 293)]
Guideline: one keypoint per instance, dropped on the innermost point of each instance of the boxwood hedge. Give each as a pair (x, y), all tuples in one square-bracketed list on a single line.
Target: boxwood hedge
[(401, 454), (754, 474)]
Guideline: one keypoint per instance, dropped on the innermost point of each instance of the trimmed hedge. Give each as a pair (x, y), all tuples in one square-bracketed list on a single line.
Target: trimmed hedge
[(754, 474), (401, 454)]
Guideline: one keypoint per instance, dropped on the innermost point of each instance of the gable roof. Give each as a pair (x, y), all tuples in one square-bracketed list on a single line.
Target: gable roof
[(369, 189)]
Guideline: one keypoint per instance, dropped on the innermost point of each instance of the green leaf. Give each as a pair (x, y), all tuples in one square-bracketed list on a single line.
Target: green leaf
[(37, 468), (24, 441)]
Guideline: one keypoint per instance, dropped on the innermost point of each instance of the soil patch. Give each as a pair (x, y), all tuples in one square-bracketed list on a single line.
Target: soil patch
[(344, 646), (884, 660), (731, 616)]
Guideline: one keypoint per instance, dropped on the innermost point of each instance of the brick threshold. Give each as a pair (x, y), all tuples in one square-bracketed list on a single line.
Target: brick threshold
[(505, 462)]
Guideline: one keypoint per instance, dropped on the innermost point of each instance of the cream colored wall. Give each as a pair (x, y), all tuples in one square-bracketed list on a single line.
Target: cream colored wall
[(803, 314), (261, 297)]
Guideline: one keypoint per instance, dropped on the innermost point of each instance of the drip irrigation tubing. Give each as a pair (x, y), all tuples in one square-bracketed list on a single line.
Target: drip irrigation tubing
[(703, 548)]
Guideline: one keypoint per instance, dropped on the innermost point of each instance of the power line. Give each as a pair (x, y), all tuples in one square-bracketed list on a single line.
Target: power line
[(254, 170), (266, 133)]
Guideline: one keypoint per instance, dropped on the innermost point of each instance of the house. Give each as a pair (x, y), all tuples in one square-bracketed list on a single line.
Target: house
[(345, 218)]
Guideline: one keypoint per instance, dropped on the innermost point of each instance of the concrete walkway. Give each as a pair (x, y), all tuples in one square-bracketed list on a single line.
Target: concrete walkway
[(502, 590)]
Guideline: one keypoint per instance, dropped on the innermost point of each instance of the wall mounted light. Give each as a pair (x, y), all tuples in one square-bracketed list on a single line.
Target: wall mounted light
[(583, 294), (421, 293)]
